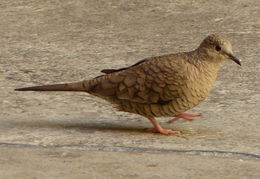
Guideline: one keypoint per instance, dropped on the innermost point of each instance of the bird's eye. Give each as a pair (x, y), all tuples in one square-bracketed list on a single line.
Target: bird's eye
[(218, 48)]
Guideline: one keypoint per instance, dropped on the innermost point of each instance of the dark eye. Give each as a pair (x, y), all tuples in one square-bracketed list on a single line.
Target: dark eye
[(218, 48)]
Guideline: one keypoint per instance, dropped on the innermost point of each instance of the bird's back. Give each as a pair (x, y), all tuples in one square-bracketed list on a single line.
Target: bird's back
[(158, 86)]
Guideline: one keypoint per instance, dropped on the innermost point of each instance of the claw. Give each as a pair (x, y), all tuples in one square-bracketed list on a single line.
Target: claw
[(158, 128), (185, 116), (163, 131)]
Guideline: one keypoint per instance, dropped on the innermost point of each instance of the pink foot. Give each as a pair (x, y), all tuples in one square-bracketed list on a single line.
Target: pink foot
[(163, 131), (185, 116), (158, 128)]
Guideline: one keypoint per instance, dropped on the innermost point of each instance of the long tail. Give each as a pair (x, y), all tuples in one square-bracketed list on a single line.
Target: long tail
[(77, 86)]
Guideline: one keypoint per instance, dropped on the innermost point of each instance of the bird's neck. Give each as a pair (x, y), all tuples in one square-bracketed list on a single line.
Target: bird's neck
[(202, 73), (204, 62), (203, 67)]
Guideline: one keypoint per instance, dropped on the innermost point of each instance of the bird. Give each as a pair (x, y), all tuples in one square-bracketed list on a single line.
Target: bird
[(159, 86)]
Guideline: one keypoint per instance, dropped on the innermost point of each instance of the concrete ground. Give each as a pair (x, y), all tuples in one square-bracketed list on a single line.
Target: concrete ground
[(75, 135)]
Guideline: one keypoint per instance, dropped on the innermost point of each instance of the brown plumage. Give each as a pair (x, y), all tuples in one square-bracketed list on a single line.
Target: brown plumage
[(163, 86)]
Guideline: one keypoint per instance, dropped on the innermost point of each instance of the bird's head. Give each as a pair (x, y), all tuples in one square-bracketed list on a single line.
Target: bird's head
[(219, 48)]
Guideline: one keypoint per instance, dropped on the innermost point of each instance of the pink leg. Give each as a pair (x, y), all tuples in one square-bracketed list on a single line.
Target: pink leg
[(185, 116), (158, 128)]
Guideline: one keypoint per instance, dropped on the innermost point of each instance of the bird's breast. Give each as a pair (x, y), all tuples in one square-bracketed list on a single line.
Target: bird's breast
[(195, 89)]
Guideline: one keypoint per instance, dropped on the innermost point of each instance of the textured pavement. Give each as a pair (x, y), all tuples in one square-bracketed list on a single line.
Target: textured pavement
[(75, 135)]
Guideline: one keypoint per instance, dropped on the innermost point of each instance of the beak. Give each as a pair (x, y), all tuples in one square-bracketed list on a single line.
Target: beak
[(235, 59)]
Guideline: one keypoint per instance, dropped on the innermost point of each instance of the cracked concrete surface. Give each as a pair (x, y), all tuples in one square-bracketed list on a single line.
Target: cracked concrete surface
[(75, 135)]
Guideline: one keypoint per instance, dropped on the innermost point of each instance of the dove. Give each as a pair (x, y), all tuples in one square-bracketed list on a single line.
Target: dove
[(160, 86)]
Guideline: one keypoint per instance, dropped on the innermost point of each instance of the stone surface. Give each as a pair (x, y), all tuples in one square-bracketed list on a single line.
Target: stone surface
[(44, 42), (51, 163)]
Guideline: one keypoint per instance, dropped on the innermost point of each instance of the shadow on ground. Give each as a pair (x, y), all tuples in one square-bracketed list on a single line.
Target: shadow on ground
[(86, 126)]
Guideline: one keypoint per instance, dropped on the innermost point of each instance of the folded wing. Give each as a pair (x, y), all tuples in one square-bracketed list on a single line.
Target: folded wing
[(150, 81)]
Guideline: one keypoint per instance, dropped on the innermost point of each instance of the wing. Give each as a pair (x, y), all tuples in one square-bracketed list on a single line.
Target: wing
[(148, 81), (107, 71)]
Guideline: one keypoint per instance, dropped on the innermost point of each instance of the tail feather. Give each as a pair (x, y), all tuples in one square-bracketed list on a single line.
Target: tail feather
[(78, 86)]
